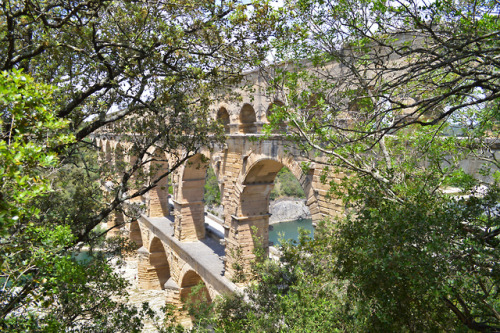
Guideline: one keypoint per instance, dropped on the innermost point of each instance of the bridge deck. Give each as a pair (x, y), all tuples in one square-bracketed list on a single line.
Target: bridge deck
[(204, 256)]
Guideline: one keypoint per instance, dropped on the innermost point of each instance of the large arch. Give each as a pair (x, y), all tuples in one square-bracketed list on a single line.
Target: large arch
[(248, 119), (189, 204), (249, 226), (254, 203)]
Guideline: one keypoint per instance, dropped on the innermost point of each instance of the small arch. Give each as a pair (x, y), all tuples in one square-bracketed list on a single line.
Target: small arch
[(247, 119), (223, 118), (158, 260)]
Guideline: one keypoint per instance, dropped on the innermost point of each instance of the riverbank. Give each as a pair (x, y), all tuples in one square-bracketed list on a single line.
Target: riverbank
[(286, 210)]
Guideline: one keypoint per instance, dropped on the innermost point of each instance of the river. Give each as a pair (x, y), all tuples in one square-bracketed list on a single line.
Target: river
[(289, 230)]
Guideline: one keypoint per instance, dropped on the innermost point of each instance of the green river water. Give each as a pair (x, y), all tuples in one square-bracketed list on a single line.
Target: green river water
[(289, 230)]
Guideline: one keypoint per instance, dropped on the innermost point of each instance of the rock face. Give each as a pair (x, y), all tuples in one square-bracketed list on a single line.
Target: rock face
[(288, 210), (282, 210)]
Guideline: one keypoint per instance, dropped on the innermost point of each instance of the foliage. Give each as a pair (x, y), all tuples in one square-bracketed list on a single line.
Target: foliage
[(392, 268), (29, 134), (212, 191), (145, 72), (286, 186), (198, 305), (37, 268), (368, 89)]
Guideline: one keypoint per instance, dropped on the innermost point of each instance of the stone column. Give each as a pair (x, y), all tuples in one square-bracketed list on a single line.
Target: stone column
[(114, 220), (143, 276), (259, 126), (189, 213), (248, 233), (158, 198), (234, 128), (189, 221)]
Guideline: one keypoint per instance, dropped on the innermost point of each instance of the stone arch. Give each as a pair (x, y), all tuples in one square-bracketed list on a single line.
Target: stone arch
[(248, 119), (189, 280), (135, 233), (158, 196), (249, 226), (189, 204), (153, 266), (223, 118), (275, 155)]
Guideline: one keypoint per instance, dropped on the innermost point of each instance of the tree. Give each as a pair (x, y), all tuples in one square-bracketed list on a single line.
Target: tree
[(211, 190), (38, 270), (371, 88), (145, 72), (286, 185)]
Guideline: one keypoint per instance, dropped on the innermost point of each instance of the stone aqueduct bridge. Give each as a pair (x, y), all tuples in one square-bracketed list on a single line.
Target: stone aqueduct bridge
[(175, 253)]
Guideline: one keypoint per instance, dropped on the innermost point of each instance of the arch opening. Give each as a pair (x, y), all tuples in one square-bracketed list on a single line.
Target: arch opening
[(214, 211), (249, 230), (189, 204), (223, 118), (288, 208), (248, 119), (194, 293), (160, 269), (135, 235)]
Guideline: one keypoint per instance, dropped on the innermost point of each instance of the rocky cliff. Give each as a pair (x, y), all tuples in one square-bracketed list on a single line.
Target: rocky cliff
[(288, 210)]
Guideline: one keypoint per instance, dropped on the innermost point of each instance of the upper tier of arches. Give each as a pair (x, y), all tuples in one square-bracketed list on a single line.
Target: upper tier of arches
[(246, 117)]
